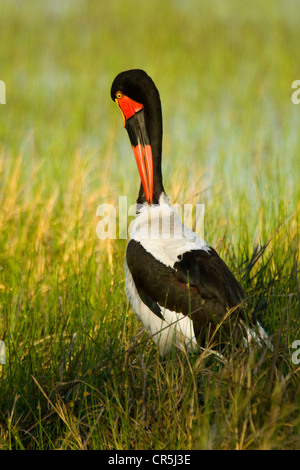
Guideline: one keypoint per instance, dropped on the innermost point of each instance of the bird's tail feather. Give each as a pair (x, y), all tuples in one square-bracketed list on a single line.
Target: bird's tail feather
[(256, 334)]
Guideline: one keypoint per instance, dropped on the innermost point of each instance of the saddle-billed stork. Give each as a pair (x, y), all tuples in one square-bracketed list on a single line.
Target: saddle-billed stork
[(182, 291)]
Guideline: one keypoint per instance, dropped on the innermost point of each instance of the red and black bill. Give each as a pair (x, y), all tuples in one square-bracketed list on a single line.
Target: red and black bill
[(134, 122)]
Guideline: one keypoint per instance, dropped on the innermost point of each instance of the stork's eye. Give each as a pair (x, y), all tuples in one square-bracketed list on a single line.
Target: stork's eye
[(119, 95)]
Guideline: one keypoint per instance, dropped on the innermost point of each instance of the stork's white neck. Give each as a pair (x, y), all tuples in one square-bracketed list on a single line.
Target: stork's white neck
[(160, 231)]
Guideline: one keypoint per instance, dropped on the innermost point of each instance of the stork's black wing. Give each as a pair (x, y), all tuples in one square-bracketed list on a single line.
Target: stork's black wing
[(200, 285)]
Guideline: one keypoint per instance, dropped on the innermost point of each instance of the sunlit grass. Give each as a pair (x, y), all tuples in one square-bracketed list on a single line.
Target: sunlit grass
[(80, 374)]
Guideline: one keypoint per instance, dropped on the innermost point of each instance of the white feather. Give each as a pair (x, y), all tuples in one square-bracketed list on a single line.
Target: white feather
[(175, 330), (160, 231)]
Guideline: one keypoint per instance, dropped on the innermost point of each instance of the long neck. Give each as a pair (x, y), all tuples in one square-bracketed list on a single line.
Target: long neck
[(153, 116)]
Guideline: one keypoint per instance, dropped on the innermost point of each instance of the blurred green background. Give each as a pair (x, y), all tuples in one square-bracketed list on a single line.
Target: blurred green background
[(224, 71)]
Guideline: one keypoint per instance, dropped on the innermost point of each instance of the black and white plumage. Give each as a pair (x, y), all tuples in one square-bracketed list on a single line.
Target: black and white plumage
[(182, 291)]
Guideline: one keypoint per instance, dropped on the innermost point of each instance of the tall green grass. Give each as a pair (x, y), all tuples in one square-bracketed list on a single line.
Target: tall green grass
[(80, 372)]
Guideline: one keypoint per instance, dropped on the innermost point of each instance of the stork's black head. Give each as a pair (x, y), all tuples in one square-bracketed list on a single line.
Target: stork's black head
[(138, 99), (137, 85)]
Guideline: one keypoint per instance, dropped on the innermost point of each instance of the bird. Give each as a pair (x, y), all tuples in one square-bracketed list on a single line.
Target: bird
[(179, 287)]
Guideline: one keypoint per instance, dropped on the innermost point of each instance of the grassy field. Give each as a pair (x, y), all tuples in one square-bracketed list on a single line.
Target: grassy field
[(80, 373)]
